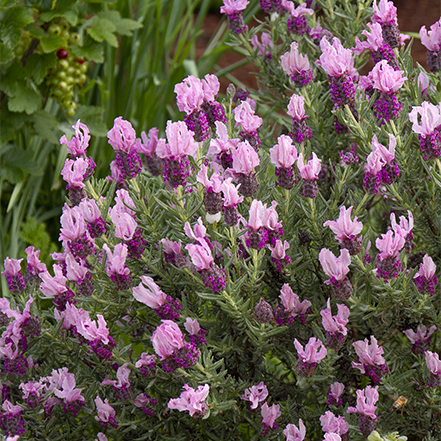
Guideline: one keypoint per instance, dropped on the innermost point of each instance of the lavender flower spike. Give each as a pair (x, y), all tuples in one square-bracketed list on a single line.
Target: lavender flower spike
[(269, 416), (192, 401), (434, 365), (309, 173), (284, 155), (337, 268), (334, 425), (309, 357), (77, 146), (388, 263), (255, 394), (428, 130), (335, 392), (367, 418), (425, 278), (432, 41), (233, 10), (335, 325), (347, 231), (296, 66), (296, 109), (245, 160), (294, 433), (13, 275), (421, 339), (386, 15), (371, 360)]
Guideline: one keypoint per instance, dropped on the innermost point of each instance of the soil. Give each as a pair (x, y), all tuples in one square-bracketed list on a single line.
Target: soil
[(412, 14)]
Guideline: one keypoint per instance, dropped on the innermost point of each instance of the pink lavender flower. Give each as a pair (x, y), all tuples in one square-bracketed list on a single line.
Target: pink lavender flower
[(212, 276), (278, 254), (337, 268), (250, 123), (147, 146), (33, 392), (71, 396), (319, 32), (380, 166), (231, 200), (284, 155), (122, 137), (197, 334), (425, 278), (386, 15), (245, 160), (106, 413), (74, 173), (125, 225), (309, 357), (56, 287), (296, 23), (78, 272), (309, 173), (338, 63), (192, 401), (387, 80), (147, 364), (421, 339), (269, 416), (92, 215), (255, 394), (220, 147), (13, 275), (233, 10), (149, 293), (294, 433), (292, 307), (257, 234), (335, 325), (122, 384), (77, 146), (346, 230), (296, 66), (181, 144), (34, 266), (272, 224), (429, 129), (173, 252), (296, 109), (367, 418), (388, 263), (116, 267), (332, 437), (332, 424), (335, 394), (371, 362), (145, 403), (12, 422), (432, 41), (434, 365), (213, 190), (264, 47)]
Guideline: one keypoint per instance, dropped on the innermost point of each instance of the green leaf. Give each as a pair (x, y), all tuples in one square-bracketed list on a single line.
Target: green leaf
[(93, 117), (102, 30), (6, 54), (52, 43), (71, 16), (123, 26), (19, 158), (90, 50), (11, 173), (14, 19), (13, 78), (37, 66), (26, 99), (45, 125)]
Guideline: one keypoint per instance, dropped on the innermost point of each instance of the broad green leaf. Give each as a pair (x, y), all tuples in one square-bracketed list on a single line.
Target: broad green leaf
[(26, 99), (21, 159), (71, 16), (13, 78), (6, 54), (90, 50), (102, 30), (11, 173), (52, 43), (45, 125), (37, 66), (123, 26), (93, 117), (14, 19)]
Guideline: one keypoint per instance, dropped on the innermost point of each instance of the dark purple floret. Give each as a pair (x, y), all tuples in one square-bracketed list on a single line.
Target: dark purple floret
[(297, 25), (61, 300), (305, 369), (300, 131), (16, 283), (386, 107), (176, 172), (434, 60), (146, 403), (82, 247), (4, 319), (73, 407), (198, 339), (197, 122), (154, 164), (252, 138), (240, 95), (270, 5), (334, 340), (12, 424), (342, 90), (185, 357), (388, 268), (169, 310), (31, 326), (310, 188), (129, 164), (76, 194), (352, 244), (214, 278), (434, 380), (390, 173), (236, 23), (136, 245), (302, 78), (86, 286), (366, 424), (97, 228), (215, 112), (342, 288), (426, 286), (391, 34), (103, 351), (213, 202), (121, 281), (263, 313), (281, 264), (385, 52), (257, 239), (248, 184), (371, 183), (431, 145), (282, 316), (285, 177), (17, 366), (231, 216)]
